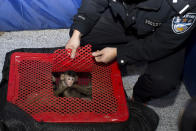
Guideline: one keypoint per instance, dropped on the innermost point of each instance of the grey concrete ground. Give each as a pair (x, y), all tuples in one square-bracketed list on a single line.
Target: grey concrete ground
[(168, 107)]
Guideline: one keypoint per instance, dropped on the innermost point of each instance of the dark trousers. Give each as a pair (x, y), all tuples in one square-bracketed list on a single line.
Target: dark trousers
[(160, 77)]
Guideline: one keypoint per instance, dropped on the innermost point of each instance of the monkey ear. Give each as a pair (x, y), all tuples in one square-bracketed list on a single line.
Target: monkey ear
[(62, 77), (53, 79), (76, 79)]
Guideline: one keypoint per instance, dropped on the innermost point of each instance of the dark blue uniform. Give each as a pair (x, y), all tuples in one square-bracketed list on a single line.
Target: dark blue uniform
[(152, 31)]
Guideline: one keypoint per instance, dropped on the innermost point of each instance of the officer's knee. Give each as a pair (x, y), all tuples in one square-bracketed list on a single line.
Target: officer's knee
[(148, 87), (161, 86)]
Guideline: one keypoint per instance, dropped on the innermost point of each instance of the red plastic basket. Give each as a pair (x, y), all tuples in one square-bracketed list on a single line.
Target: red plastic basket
[(30, 88)]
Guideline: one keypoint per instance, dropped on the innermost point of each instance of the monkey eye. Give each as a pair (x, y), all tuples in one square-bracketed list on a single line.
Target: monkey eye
[(70, 78)]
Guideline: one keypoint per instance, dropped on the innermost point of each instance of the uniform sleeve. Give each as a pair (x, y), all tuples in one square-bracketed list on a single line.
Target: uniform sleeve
[(163, 42), (89, 12)]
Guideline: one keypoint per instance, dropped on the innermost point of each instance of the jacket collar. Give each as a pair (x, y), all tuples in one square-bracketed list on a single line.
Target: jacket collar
[(150, 5)]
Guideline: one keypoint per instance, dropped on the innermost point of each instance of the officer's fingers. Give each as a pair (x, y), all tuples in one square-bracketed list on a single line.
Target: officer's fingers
[(73, 53), (97, 53), (68, 46), (98, 59)]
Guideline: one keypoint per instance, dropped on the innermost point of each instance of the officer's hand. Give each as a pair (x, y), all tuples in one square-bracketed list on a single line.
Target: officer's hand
[(74, 43), (106, 55)]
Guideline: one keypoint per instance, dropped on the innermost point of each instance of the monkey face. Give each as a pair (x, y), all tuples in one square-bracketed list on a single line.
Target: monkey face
[(69, 80)]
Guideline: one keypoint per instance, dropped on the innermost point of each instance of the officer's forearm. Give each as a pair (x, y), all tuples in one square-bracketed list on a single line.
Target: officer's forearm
[(88, 14)]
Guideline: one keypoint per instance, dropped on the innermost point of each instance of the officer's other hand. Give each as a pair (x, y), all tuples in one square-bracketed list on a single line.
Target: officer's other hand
[(73, 43), (105, 55)]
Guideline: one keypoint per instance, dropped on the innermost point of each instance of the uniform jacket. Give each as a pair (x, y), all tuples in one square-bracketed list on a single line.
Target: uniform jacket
[(161, 25)]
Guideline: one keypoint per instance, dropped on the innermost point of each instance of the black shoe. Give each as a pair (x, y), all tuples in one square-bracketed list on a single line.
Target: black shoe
[(142, 118)]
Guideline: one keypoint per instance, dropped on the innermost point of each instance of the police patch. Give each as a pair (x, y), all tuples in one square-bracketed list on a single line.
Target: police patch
[(182, 24)]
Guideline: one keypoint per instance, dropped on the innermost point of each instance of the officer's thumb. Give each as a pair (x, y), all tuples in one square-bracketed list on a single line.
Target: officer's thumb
[(98, 59)]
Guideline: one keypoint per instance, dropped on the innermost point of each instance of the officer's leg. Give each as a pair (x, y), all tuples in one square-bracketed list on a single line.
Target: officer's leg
[(160, 77), (108, 31)]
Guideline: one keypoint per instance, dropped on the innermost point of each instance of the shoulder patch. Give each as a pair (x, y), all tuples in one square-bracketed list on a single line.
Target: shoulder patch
[(182, 24)]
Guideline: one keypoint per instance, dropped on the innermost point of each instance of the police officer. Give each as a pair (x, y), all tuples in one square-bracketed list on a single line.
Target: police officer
[(134, 31)]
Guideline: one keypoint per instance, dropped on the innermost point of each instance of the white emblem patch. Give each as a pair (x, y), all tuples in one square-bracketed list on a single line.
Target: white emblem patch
[(182, 24)]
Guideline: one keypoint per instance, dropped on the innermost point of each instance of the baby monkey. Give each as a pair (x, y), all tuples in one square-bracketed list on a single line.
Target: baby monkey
[(68, 87)]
